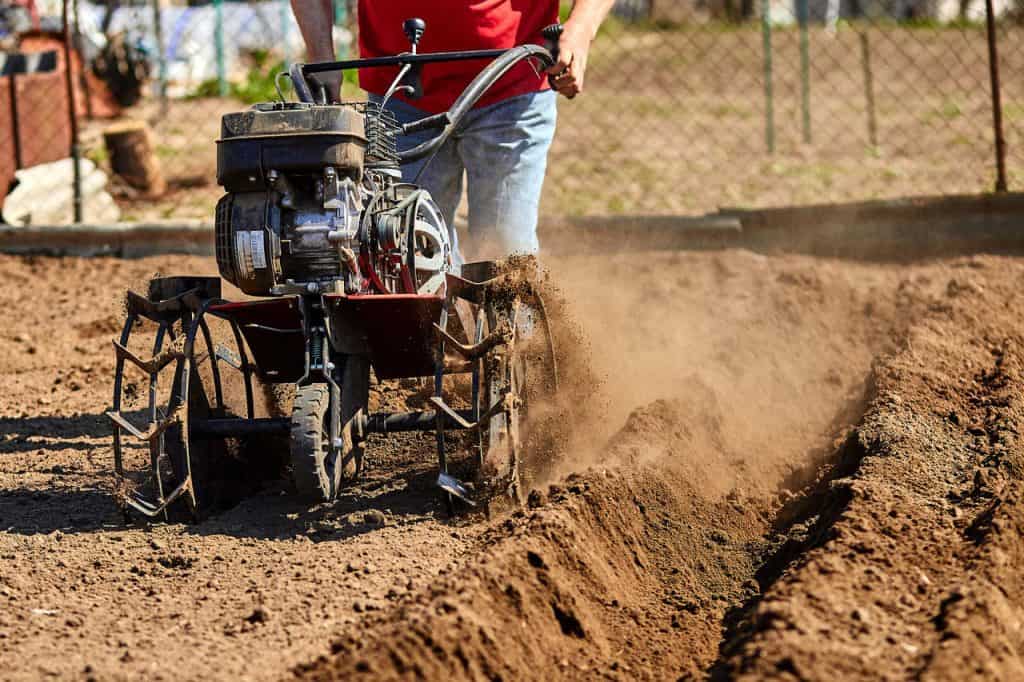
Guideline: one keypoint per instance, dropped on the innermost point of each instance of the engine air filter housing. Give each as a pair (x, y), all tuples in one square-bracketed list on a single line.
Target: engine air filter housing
[(288, 138)]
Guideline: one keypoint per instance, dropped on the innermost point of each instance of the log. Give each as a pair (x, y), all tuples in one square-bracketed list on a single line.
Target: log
[(133, 158)]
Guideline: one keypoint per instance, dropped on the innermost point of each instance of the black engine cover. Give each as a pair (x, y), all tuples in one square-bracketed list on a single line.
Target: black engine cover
[(288, 138)]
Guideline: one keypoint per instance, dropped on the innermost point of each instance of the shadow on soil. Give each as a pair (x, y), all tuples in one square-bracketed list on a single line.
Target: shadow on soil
[(52, 433), (69, 510), (274, 513), (258, 500), (405, 498)]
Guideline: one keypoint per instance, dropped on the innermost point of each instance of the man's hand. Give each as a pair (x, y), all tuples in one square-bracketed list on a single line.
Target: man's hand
[(568, 72), (316, 22), (574, 45)]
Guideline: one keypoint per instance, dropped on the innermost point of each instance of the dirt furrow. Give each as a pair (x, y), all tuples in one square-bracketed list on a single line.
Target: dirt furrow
[(911, 574)]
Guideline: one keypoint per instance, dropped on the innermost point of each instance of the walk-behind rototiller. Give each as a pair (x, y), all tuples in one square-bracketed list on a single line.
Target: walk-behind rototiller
[(348, 269)]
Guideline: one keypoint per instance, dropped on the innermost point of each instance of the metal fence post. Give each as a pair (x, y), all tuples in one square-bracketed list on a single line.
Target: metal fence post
[(997, 100), (76, 150), (805, 67), (158, 30), (869, 88), (285, 9), (218, 39), (769, 97)]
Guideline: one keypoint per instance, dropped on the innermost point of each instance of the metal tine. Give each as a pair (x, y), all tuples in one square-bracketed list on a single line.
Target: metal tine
[(470, 426), (149, 435), (440, 404), (454, 486), (228, 356), (152, 510), (152, 365), (476, 350)]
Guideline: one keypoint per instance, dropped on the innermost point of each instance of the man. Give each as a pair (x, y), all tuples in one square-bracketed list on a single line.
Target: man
[(502, 145)]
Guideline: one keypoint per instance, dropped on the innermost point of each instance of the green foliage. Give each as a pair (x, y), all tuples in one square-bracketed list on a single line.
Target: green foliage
[(258, 85)]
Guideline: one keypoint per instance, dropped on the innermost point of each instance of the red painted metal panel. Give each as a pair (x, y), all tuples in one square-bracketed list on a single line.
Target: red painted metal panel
[(397, 330), (279, 355)]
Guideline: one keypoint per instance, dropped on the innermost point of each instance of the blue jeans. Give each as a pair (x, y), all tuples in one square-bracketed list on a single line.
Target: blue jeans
[(503, 150)]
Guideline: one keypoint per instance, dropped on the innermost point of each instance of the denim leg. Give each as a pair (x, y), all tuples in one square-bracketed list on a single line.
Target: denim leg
[(504, 148)]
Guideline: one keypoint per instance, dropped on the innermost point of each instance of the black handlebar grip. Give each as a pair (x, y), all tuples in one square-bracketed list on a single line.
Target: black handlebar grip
[(551, 35)]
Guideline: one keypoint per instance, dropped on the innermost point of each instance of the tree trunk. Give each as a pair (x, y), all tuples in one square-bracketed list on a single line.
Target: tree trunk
[(132, 157)]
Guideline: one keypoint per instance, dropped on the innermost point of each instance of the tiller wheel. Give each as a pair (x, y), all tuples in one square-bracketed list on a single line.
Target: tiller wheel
[(174, 346), (514, 376)]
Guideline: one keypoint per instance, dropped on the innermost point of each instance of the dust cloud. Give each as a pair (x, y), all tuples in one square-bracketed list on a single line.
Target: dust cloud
[(735, 366)]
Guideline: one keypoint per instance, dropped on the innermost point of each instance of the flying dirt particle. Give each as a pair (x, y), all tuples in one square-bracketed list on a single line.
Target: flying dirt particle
[(374, 517)]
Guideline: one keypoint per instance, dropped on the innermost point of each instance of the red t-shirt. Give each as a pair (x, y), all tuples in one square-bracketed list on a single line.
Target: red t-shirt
[(454, 25)]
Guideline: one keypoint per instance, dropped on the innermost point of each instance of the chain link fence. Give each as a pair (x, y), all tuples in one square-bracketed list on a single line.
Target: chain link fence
[(689, 105)]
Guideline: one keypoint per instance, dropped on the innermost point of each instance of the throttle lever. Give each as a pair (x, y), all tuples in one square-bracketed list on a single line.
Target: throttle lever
[(552, 34)]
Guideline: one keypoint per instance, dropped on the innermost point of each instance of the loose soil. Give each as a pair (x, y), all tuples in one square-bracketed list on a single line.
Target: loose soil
[(798, 469)]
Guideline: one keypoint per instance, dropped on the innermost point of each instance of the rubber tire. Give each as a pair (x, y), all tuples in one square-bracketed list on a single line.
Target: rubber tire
[(308, 446)]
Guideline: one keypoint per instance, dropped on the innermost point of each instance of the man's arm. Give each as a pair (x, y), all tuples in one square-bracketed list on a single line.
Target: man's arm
[(574, 46), (316, 22)]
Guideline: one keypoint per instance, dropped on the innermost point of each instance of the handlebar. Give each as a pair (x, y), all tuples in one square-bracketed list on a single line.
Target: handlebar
[(502, 61), (469, 97)]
